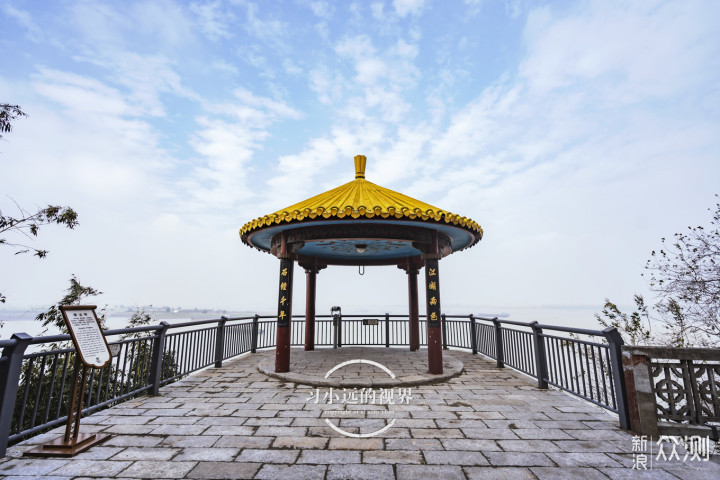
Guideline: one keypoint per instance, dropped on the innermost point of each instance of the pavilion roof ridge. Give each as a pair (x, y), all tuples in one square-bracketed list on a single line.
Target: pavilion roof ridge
[(361, 198)]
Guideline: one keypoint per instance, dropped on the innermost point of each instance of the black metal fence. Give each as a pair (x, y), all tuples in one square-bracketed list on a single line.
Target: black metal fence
[(35, 386)]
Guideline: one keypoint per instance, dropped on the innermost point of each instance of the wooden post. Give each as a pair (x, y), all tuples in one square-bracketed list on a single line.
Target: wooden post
[(311, 280), (414, 317), (284, 323), (432, 294)]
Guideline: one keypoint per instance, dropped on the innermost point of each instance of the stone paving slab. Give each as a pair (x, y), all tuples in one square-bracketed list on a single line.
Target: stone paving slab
[(236, 422), (406, 368)]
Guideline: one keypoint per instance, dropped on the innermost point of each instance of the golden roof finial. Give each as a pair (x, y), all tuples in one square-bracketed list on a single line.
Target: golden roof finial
[(360, 161)]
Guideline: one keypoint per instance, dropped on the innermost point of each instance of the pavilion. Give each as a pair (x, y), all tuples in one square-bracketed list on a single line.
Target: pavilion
[(361, 223)]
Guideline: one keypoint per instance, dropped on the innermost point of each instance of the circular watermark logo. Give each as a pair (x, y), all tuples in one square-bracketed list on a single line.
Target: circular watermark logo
[(364, 396)]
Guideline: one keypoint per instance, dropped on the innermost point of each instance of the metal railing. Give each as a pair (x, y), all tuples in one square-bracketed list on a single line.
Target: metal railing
[(36, 385), (578, 362)]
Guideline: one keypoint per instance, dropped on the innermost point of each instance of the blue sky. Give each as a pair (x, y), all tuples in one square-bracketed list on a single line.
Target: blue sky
[(576, 133)]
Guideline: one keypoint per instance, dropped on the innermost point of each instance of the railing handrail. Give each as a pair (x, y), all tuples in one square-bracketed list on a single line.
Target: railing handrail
[(674, 353), (557, 328), (124, 331), (154, 328)]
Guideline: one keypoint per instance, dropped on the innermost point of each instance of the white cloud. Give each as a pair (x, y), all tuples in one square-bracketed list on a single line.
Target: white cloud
[(328, 86), (377, 9), (370, 70), (322, 10), (291, 68), (355, 47), (404, 49), (218, 181), (164, 20), (163, 23), (82, 94), (273, 107), (271, 32), (650, 49), (408, 7), (146, 76), (380, 79), (225, 67), (213, 21), (24, 18), (296, 172)]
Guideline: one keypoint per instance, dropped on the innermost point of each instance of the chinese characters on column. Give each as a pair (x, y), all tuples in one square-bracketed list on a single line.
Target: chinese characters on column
[(285, 292), (432, 283)]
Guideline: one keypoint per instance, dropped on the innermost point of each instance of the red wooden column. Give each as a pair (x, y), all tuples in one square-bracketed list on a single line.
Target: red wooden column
[(432, 295), (284, 323), (311, 280), (432, 289), (414, 315), (412, 270)]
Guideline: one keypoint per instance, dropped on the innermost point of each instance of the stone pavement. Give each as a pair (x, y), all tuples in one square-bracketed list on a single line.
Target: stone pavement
[(236, 422), (319, 367)]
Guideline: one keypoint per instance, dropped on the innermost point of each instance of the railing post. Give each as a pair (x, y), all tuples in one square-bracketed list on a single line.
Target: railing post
[(339, 329), (444, 331), (220, 342), (540, 356), (499, 354), (615, 343), (254, 334), (387, 330), (157, 358), (9, 382), (473, 336), (642, 404)]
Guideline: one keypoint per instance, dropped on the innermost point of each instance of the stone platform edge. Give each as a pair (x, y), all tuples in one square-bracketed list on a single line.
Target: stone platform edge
[(451, 368)]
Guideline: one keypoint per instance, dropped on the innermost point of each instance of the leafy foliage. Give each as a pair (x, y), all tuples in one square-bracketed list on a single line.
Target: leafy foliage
[(28, 224), (631, 326), (8, 114), (140, 318), (74, 296), (170, 367)]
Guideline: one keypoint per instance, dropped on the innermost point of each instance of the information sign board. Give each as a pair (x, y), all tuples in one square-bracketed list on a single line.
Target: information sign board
[(87, 336)]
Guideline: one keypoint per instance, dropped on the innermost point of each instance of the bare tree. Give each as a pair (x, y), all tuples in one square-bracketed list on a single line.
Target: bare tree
[(685, 274)]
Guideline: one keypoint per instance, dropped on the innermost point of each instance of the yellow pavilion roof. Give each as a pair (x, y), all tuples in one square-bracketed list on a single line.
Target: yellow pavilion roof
[(361, 199)]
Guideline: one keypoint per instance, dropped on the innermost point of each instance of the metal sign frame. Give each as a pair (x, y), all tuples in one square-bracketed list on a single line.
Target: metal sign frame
[(73, 442)]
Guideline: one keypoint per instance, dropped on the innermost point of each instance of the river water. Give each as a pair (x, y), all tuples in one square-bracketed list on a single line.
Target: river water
[(573, 316)]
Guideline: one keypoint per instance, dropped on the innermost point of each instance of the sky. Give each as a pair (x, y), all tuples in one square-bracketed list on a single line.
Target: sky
[(576, 133)]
